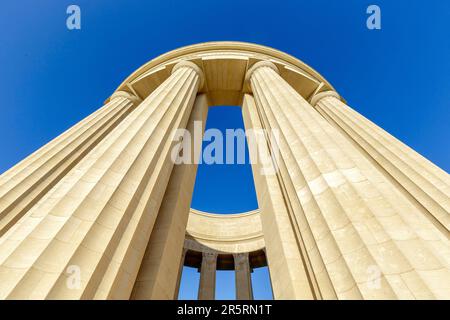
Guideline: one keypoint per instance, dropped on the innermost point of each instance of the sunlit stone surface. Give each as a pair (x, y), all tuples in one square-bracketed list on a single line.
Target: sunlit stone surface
[(102, 212)]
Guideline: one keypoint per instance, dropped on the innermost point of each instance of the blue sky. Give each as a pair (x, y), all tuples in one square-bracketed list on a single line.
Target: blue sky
[(226, 188), (51, 78)]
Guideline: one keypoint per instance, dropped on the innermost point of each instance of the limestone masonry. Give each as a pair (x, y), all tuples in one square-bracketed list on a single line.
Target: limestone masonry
[(351, 212)]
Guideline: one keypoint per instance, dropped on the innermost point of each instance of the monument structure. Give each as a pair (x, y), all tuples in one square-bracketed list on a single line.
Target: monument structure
[(102, 211)]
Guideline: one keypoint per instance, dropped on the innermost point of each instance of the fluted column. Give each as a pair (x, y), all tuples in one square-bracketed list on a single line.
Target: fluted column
[(27, 182), (425, 182), (291, 277), (95, 224), (207, 287), (352, 224), (243, 277), (157, 277)]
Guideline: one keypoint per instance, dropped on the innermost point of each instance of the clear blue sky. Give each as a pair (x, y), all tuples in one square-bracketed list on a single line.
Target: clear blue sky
[(50, 77)]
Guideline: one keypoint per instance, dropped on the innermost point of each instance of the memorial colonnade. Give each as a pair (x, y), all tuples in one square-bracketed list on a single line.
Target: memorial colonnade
[(346, 210)]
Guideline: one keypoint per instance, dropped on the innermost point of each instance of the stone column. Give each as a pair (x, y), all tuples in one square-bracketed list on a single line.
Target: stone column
[(26, 183), (207, 288), (351, 226), (157, 277), (425, 182), (243, 277), (87, 237), (285, 251), (180, 274)]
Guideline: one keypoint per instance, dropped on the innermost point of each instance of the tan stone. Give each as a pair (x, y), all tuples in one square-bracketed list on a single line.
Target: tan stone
[(207, 287), (27, 182), (346, 211), (243, 277), (163, 254)]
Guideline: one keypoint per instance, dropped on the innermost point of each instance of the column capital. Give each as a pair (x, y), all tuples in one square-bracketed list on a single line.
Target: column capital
[(123, 94), (240, 257), (193, 66), (264, 63), (319, 96), (209, 257)]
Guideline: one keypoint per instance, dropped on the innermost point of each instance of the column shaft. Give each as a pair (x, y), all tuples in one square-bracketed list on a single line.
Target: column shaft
[(244, 289), (285, 250), (207, 288), (99, 218), (157, 277), (27, 182), (373, 242), (425, 182), (180, 274)]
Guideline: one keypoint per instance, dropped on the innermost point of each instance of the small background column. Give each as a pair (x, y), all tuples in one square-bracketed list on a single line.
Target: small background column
[(243, 278), (207, 289)]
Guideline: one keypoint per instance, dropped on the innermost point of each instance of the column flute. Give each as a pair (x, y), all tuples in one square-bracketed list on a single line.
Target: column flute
[(99, 218)]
